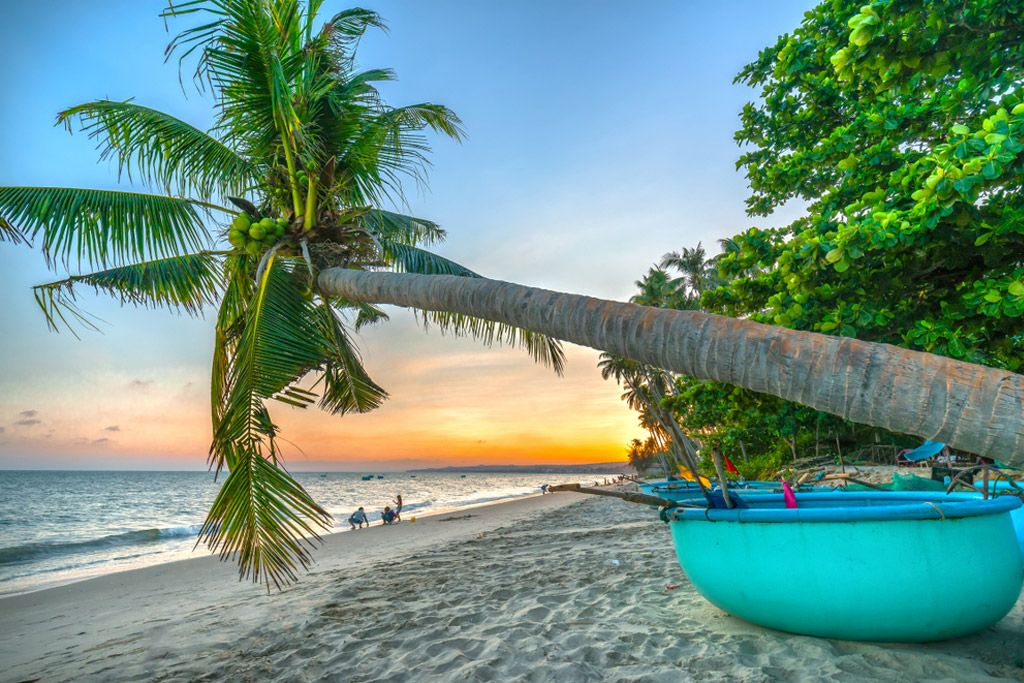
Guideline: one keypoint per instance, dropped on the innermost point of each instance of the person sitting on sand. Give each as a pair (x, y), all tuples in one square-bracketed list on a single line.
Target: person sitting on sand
[(358, 519), (544, 488), (388, 516), (398, 508)]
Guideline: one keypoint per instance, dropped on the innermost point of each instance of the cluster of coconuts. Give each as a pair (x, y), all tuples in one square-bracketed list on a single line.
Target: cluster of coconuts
[(254, 236)]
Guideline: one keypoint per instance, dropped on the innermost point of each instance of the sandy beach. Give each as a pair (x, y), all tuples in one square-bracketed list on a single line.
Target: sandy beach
[(549, 588)]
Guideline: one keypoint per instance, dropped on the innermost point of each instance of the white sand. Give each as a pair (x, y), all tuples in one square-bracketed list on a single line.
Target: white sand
[(526, 590)]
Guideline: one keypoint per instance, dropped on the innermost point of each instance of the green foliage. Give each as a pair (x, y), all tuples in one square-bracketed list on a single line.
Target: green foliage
[(304, 145), (101, 227), (182, 283), (901, 124), (162, 150)]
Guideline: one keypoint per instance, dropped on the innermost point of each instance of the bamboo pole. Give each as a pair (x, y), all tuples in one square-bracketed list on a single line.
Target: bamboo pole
[(628, 496), (717, 457)]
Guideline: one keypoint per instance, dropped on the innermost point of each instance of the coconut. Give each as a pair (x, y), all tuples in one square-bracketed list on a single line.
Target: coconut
[(257, 232), (236, 238), (242, 222), (267, 223), (253, 248)]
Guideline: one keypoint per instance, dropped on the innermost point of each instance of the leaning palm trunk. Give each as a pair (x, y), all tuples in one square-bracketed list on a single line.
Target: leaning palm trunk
[(971, 407)]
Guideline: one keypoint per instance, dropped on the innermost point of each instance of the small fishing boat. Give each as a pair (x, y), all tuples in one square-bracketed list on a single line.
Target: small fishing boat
[(367, 477), (874, 566), (679, 490), (1017, 516), (380, 476)]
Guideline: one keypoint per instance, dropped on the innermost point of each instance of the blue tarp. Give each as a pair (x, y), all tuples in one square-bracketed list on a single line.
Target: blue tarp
[(926, 450)]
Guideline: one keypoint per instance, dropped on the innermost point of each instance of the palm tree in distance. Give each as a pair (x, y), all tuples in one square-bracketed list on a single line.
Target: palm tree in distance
[(306, 150)]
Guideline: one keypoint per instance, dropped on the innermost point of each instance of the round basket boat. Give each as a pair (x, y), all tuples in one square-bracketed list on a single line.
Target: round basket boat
[(910, 567)]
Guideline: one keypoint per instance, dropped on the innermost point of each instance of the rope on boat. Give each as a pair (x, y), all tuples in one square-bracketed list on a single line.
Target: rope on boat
[(942, 515)]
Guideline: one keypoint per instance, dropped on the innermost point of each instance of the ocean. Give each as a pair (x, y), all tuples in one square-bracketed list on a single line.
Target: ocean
[(58, 527)]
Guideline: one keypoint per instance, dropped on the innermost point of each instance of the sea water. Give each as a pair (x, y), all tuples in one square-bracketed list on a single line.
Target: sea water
[(57, 527)]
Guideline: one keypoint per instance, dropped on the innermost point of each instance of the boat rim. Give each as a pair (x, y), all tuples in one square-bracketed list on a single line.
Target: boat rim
[(912, 505)]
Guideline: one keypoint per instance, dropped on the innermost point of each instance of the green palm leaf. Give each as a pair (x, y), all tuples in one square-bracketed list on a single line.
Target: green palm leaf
[(180, 283), (402, 229), (259, 518), (544, 350), (279, 344), (345, 28), (388, 147), (162, 149), (262, 515), (103, 227), (406, 259), (347, 387), (248, 51)]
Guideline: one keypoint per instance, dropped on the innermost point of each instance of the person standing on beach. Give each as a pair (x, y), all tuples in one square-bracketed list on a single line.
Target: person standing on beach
[(398, 508)]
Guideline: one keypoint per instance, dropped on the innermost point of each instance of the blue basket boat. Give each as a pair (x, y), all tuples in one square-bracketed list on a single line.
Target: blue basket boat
[(879, 566), (688, 491)]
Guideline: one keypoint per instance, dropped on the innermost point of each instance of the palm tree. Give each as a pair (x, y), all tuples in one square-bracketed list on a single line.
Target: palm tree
[(971, 407), (304, 145), (305, 151)]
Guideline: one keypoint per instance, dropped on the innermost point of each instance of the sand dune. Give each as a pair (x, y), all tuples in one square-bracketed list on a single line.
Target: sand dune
[(554, 588)]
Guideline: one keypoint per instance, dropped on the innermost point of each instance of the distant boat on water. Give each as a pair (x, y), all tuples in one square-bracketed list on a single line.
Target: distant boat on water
[(380, 476), (367, 477)]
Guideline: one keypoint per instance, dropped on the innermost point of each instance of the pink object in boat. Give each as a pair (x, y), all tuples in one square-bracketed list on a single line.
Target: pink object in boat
[(787, 494)]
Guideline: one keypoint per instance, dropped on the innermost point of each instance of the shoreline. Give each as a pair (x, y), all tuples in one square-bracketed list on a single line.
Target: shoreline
[(88, 613), (63, 577), (561, 587)]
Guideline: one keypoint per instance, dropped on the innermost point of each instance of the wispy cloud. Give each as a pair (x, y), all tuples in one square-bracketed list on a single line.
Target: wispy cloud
[(140, 383), (28, 422), (28, 413), (112, 428), (100, 442)]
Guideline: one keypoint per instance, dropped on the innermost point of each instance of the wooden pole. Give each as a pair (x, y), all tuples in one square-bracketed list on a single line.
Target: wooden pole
[(629, 497), (717, 457)]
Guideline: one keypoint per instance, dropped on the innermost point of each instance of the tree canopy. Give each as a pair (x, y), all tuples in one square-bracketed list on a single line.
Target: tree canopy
[(901, 125)]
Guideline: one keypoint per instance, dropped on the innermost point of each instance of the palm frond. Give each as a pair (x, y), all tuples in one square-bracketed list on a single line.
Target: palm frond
[(230, 325), (103, 227), (262, 516), (389, 147), (259, 518), (368, 314), (406, 259), (544, 350), (345, 28), (403, 229), (162, 149), (179, 283), (347, 387), (248, 52), (279, 344)]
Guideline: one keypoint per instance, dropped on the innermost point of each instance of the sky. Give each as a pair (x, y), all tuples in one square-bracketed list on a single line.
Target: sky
[(599, 137)]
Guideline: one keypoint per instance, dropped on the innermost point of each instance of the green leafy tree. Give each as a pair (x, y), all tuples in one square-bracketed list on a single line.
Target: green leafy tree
[(901, 124), (307, 152)]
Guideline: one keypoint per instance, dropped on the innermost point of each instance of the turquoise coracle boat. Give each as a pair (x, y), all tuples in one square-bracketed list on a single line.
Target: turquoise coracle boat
[(876, 566)]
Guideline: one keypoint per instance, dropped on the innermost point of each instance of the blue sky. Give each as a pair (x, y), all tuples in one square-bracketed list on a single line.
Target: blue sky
[(599, 137)]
